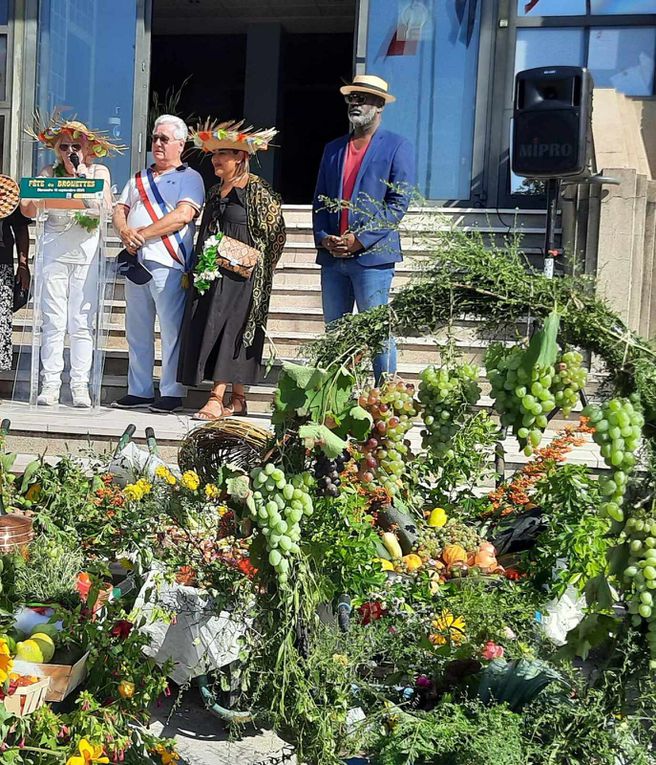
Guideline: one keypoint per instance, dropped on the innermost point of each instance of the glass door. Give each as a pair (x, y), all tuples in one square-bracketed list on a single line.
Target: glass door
[(93, 64)]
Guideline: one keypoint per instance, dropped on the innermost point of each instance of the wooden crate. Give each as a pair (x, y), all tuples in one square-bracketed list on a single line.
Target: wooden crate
[(64, 678), (26, 700)]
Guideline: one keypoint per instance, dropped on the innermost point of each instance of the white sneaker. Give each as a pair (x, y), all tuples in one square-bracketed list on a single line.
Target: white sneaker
[(49, 396), (81, 398)]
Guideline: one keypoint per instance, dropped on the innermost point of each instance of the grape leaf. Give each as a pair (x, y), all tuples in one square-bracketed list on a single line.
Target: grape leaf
[(356, 422), (319, 435), (332, 397)]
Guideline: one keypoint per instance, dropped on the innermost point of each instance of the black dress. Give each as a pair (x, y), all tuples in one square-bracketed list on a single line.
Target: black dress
[(214, 323)]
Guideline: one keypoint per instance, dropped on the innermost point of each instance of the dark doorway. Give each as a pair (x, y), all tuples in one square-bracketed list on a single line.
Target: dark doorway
[(316, 54)]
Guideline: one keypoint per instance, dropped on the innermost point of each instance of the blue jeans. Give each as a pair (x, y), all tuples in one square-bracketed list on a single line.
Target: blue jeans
[(345, 283)]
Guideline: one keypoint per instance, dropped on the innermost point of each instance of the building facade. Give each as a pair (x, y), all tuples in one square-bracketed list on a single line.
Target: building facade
[(451, 64)]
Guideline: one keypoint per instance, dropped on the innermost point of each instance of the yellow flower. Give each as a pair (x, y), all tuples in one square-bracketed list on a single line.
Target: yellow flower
[(6, 664), (165, 474), (340, 659), (145, 486), (168, 758), (89, 753), (212, 492), (190, 480), (133, 492), (448, 628), (221, 510)]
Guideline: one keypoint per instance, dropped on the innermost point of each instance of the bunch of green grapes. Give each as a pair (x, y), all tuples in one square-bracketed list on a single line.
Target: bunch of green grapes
[(569, 380), (523, 397), (279, 507), (433, 540), (617, 427), (392, 407), (640, 574), (446, 394)]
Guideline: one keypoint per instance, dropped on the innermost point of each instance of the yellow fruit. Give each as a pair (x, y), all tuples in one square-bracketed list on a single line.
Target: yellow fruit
[(386, 565), (392, 545), (454, 554), (437, 518), (46, 644), (29, 650), (412, 562)]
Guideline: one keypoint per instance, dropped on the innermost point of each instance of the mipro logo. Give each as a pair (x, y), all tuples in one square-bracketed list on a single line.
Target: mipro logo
[(548, 150)]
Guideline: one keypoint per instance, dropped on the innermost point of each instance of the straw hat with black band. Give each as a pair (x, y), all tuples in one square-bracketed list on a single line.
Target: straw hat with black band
[(369, 83)]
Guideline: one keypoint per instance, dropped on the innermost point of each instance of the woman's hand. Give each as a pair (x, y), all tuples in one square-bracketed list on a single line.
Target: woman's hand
[(23, 275)]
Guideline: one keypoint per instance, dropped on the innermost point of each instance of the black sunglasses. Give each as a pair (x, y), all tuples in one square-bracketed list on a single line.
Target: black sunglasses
[(162, 138), (71, 146)]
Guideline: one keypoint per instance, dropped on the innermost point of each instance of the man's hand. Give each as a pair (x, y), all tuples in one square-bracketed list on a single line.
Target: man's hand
[(23, 275), (131, 239), (346, 246), (330, 242)]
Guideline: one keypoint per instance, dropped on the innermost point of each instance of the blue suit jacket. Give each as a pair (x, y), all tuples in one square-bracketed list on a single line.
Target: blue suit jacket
[(377, 209)]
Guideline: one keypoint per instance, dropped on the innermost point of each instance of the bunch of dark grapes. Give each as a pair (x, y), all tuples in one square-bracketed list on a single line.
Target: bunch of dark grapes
[(446, 394), (327, 472), (392, 407)]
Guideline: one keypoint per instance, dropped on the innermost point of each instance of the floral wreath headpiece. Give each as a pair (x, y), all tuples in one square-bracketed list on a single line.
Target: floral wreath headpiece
[(48, 133), (211, 136)]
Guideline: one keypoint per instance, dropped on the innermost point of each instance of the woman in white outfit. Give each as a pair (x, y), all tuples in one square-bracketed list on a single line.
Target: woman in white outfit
[(70, 268)]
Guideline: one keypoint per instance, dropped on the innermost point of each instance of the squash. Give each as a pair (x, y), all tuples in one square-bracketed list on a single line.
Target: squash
[(485, 560), (386, 565), (403, 524), (392, 545), (454, 554), (412, 562)]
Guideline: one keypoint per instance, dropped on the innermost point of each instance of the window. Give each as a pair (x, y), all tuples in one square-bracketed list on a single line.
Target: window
[(532, 8), (541, 46), (428, 53), (623, 58), (614, 7), (86, 68)]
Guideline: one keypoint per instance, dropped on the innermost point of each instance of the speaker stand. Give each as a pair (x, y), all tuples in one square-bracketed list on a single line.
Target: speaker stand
[(551, 252)]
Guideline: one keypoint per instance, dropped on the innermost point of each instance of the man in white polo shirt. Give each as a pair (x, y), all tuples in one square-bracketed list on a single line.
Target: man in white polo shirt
[(155, 219)]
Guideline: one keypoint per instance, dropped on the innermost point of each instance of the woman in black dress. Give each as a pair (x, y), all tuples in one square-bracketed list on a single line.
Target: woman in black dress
[(223, 330)]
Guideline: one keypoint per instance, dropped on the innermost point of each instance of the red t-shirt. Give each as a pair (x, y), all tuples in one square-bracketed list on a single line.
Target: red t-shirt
[(352, 162)]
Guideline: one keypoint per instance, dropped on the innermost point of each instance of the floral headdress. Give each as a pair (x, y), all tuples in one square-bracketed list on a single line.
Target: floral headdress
[(49, 131), (211, 136)]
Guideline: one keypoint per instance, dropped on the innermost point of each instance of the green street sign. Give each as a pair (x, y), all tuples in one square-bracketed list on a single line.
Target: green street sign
[(60, 188)]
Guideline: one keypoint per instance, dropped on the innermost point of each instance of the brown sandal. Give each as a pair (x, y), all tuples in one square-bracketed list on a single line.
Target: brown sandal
[(243, 411), (208, 416)]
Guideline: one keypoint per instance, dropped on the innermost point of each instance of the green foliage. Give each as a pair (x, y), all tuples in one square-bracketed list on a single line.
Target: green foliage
[(574, 532), (49, 575), (466, 734)]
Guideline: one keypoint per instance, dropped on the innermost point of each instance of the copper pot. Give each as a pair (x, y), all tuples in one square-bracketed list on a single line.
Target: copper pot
[(15, 532)]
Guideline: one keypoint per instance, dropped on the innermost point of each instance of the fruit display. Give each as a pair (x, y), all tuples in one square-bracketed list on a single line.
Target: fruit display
[(569, 380), (446, 393), (383, 454), (279, 506), (327, 472), (640, 573), (617, 427)]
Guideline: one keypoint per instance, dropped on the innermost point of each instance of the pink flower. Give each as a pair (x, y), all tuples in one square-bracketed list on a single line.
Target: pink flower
[(122, 629), (423, 681), (492, 651)]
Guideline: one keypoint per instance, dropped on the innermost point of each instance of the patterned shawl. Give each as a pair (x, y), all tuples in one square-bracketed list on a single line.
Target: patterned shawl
[(267, 229)]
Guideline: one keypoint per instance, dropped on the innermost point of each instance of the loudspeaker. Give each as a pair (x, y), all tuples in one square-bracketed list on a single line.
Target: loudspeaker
[(552, 127)]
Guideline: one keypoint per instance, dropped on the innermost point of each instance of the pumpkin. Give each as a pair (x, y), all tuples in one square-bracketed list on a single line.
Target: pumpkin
[(485, 560), (454, 554), (412, 562)]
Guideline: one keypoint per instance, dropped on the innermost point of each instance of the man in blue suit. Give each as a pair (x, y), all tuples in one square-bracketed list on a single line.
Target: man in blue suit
[(372, 172)]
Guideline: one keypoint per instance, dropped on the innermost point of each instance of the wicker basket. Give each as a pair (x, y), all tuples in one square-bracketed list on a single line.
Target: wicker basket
[(15, 532), (26, 700), (228, 440)]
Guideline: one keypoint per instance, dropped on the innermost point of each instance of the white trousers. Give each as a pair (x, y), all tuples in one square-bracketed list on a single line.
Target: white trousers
[(69, 298), (163, 296)]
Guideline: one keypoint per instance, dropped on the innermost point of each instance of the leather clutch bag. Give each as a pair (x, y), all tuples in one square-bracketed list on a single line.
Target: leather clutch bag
[(235, 256)]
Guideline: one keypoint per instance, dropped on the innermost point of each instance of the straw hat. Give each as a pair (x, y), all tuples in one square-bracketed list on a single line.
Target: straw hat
[(231, 135), (49, 131), (369, 83)]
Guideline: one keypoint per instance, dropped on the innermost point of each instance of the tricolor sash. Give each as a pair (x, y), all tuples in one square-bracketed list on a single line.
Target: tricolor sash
[(157, 209)]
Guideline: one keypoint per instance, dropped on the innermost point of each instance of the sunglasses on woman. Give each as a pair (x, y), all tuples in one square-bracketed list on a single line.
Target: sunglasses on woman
[(71, 146)]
